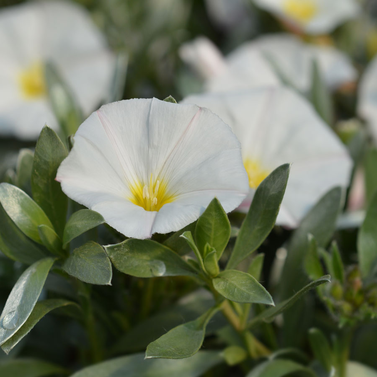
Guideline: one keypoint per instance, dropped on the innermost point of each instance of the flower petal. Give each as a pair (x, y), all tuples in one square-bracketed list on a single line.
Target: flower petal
[(277, 126)]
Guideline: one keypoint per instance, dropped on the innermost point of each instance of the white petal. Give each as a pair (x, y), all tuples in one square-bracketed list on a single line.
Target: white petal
[(277, 126), (188, 148), (203, 56), (25, 119)]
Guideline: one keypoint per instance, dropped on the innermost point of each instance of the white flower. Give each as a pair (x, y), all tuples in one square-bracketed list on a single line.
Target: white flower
[(149, 166), (276, 126), (33, 34), (367, 105), (262, 61), (312, 16)]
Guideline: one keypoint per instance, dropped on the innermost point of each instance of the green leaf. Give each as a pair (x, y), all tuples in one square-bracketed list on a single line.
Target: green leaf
[(40, 310), (136, 366), (367, 240), (312, 262), (49, 153), (23, 297), (256, 265), (190, 241), (182, 341), (29, 368), (213, 227), (280, 368), (170, 99), (370, 167), (80, 222), (179, 244), (15, 245), (24, 212), (187, 309), (24, 168), (210, 263), (146, 258), (355, 369), (336, 263), (90, 264), (234, 355), (51, 240), (241, 287), (321, 223), (270, 314), (62, 101), (321, 348), (261, 216), (320, 95)]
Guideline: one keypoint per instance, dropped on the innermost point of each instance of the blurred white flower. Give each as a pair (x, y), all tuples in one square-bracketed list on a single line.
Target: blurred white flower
[(149, 166), (312, 16), (266, 60), (276, 126), (48, 31), (367, 105)]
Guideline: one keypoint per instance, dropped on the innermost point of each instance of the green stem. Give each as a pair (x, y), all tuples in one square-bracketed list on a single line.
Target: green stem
[(90, 322), (147, 298), (342, 345)]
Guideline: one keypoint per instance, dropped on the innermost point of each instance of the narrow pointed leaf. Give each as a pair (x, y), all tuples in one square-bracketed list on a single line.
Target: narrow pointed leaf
[(62, 101), (179, 244), (256, 265), (23, 298), (312, 263), (49, 153), (40, 310), (337, 264), (22, 209), (80, 222), (321, 348), (51, 240), (261, 216), (241, 287), (320, 95), (182, 341), (30, 368), (321, 223), (146, 258), (170, 99), (24, 169), (270, 314), (190, 241), (136, 366), (90, 264), (370, 166), (213, 227), (15, 245), (367, 240)]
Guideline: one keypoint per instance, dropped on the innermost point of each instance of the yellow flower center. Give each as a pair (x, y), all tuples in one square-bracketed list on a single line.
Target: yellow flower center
[(32, 81), (151, 196), (301, 10), (255, 172)]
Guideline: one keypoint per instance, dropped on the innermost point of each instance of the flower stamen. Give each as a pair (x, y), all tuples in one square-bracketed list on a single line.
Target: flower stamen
[(152, 196), (255, 172), (32, 81), (301, 10)]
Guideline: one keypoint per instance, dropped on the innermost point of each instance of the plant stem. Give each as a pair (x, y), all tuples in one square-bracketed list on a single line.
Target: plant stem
[(342, 344), (147, 298), (230, 315)]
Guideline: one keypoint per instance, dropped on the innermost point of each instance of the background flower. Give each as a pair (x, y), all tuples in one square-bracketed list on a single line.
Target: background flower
[(276, 126), (150, 166), (58, 32), (312, 16), (266, 61)]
